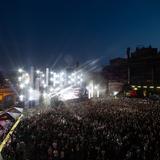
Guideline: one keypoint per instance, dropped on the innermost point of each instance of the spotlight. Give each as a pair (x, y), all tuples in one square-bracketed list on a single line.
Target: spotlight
[(21, 98), (20, 70)]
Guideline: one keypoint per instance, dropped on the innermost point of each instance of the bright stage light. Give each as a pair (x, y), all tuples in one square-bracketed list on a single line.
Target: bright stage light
[(30, 98), (68, 95), (44, 85), (43, 82), (21, 98), (19, 79), (38, 71), (51, 79), (26, 81), (73, 80), (79, 82), (69, 82), (21, 86), (30, 91), (62, 73), (51, 89), (96, 87), (51, 72), (115, 93), (58, 84), (33, 94), (26, 75), (20, 70), (43, 75), (44, 94)]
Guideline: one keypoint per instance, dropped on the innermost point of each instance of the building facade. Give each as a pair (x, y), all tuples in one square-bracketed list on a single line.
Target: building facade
[(144, 66), (141, 70)]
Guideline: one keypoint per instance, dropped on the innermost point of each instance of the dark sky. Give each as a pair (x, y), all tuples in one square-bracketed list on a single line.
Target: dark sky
[(35, 32)]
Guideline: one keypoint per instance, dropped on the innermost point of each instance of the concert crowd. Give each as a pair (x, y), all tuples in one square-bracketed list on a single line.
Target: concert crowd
[(120, 129)]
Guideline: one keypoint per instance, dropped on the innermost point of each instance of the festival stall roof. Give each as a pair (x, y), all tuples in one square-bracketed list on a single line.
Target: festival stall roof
[(19, 109), (15, 110), (9, 116), (14, 115)]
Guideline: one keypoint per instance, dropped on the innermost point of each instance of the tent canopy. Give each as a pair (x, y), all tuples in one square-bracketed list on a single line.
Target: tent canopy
[(15, 110)]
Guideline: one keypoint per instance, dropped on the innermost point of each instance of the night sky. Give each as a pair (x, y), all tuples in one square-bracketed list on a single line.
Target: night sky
[(61, 32)]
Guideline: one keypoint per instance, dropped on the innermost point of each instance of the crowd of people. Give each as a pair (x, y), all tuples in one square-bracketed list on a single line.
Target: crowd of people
[(5, 126), (120, 129)]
